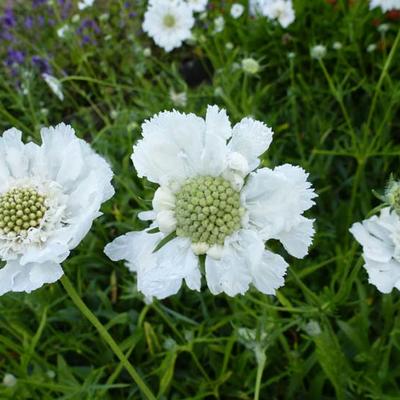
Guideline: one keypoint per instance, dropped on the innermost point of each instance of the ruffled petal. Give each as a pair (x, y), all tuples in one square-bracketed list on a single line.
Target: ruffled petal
[(232, 272), (170, 150), (251, 139), (15, 277), (385, 276), (269, 274), (217, 123), (275, 199), (298, 239)]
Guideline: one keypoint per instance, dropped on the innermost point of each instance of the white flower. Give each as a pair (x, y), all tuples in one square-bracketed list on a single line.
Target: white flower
[(250, 65), (9, 380), (63, 30), (197, 5), (169, 23), (178, 99), (337, 46), (383, 28), (380, 239), (385, 5), (237, 10), (371, 48), (85, 4), (49, 197), (281, 10), (54, 85), (318, 52), (219, 24), (201, 167)]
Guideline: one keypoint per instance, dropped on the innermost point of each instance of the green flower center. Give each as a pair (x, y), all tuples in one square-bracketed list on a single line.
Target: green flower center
[(207, 210), (169, 21), (21, 209)]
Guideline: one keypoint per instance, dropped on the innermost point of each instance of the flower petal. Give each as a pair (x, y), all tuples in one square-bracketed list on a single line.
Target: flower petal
[(385, 276), (251, 139)]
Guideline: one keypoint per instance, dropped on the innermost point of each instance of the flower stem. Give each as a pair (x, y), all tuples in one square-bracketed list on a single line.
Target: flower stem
[(106, 337), (261, 360)]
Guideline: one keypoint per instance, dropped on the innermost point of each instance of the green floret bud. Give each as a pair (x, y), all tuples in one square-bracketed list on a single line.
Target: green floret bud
[(21, 209), (208, 209)]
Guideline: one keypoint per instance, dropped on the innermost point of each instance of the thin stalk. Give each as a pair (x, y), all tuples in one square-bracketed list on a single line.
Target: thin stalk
[(106, 336)]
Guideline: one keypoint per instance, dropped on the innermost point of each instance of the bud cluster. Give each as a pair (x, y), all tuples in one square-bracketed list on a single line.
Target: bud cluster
[(208, 210), (21, 209)]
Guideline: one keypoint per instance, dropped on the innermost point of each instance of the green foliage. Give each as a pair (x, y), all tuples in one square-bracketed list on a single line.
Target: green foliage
[(327, 334)]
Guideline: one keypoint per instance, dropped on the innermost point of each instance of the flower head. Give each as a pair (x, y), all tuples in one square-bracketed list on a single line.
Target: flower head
[(385, 5), (169, 23), (281, 10), (237, 10), (197, 5), (212, 202), (380, 240), (318, 52), (49, 197), (250, 66)]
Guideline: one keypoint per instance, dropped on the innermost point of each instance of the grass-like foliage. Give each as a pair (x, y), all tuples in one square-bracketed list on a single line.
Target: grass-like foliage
[(328, 333)]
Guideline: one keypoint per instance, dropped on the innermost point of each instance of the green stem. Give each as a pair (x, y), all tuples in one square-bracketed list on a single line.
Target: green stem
[(261, 360), (106, 337)]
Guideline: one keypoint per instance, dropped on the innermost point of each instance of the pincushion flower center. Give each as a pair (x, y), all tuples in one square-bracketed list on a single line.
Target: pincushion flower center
[(21, 209), (208, 210), (169, 21)]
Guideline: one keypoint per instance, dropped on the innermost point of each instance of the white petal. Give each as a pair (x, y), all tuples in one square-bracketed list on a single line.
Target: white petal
[(275, 199), (163, 199), (385, 276), (217, 123), (268, 275), (298, 239), (251, 139), (166, 221), (232, 273), (15, 277), (171, 147)]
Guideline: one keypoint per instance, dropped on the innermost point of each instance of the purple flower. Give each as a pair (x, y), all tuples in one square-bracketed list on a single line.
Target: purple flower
[(28, 22), (15, 57), (9, 18), (42, 65)]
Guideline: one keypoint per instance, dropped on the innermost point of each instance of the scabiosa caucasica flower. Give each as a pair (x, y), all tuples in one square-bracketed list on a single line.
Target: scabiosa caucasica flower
[(213, 202), (197, 5), (385, 5), (49, 197), (379, 237), (168, 22)]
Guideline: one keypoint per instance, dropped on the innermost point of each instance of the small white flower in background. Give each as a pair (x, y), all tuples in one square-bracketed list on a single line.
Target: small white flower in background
[(237, 10), (51, 374), (213, 201), (383, 28), (385, 5), (312, 328), (49, 196), (229, 46), (337, 46), (85, 4), (147, 52), (197, 5), (55, 85), (250, 66), (75, 18), (218, 91), (371, 48), (291, 55), (104, 17), (62, 31), (169, 23), (178, 99), (9, 380), (281, 10), (219, 24), (318, 52)]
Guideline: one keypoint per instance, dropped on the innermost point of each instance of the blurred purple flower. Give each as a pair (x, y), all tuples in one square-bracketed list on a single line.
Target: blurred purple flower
[(42, 65)]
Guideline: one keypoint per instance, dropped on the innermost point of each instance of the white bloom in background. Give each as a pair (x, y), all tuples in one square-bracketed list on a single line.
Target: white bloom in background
[(85, 4), (54, 85), (380, 240), (169, 23), (383, 28), (255, 6), (318, 52), (385, 5), (371, 48), (49, 197), (337, 46), (229, 46), (219, 24), (281, 10), (237, 10), (250, 66), (63, 30), (178, 99), (9, 380), (197, 5), (213, 201)]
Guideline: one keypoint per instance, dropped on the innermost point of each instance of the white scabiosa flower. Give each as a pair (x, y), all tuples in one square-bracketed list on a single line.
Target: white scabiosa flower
[(197, 5), (318, 52), (280, 10), (169, 23), (380, 240), (212, 201), (385, 5), (219, 24), (55, 85), (178, 99), (237, 10), (83, 4), (49, 197), (9, 380), (250, 66)]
